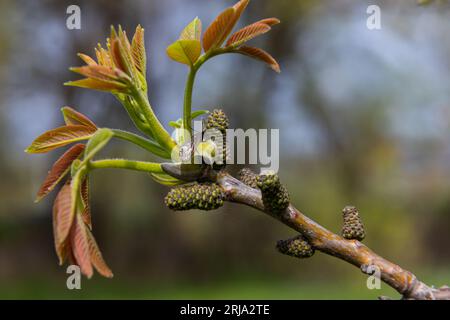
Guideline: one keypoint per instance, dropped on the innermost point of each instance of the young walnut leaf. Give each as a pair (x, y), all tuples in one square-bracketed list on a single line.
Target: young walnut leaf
[(261, 55), (73, 117), (86, 213), (62, 215), (96, 257), (269, 21), (90, 83), (165, 179), (59, 169), (97, 142), (138, 50), (216, 33), (88, 60), (185, 51), (79, 241), (222, 26), (59, 137), (247, 33), (193, 30)]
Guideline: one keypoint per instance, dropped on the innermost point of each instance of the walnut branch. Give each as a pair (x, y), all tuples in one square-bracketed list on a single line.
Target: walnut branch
[(352, 251)]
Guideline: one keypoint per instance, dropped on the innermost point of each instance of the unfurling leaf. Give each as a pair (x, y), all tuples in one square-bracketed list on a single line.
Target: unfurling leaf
[(261, 55), (86, 213), (89, 83), (101, 73), (120, 51), (165, 179), (73, 117), (138, 50), (59, 137), (88, 60), (178, 124), (198, 113), (59, 169), (193, 30), (62, 216), (97, 142), (185, 51), (247, 33), (79, 242)]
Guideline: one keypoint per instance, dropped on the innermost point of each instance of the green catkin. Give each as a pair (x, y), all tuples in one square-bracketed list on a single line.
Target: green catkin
[(297, 247), (203, 196), (353, 228), (274, 195), (217, 119), (248, 177)]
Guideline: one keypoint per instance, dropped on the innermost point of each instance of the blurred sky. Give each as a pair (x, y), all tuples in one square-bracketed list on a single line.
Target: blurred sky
[(363, 116)]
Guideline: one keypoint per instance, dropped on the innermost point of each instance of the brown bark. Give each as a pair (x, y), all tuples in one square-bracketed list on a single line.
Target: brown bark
[(352, 251)]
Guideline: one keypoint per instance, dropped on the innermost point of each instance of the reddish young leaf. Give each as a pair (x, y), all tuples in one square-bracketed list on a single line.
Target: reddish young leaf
[(261, 55), (222, 26), (97, 72), (73, 117), (97, 258), (89, 83), (79, 241), (62, 215), (86, 213), (238, 10), (59, 169), (88, 60), (138, 50), (247, 33), (59, 137), (103, 57), (61, 249), (215, 34), (120, 51), (269, 21)]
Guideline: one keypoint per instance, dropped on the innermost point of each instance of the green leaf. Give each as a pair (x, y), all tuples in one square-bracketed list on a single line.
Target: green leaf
[(97, 142), (198, 113), (176, 124), (193, 30), (74, 167), (185, 51), (165, 179)]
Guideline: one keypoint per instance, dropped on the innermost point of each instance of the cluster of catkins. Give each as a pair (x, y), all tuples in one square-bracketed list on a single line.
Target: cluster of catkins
[(274, 195), (202, 195), (297, 247), (353, 228), (218, 120)]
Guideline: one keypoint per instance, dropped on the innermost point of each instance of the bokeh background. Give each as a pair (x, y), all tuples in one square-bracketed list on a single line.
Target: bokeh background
[(364, 119)]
